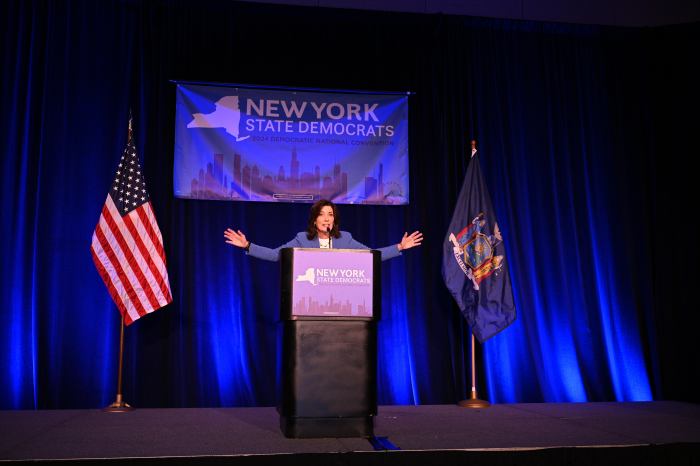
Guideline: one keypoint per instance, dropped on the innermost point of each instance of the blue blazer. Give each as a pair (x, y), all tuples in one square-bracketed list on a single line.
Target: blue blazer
[(300, 241)]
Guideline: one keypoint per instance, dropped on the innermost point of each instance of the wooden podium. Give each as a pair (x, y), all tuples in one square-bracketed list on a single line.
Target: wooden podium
[(330, 306)]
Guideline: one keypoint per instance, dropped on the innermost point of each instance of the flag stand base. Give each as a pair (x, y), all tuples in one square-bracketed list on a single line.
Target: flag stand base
[(474, 402), (119, 406)]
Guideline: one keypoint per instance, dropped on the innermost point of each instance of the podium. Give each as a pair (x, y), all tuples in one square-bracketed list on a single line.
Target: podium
[(330, 306)]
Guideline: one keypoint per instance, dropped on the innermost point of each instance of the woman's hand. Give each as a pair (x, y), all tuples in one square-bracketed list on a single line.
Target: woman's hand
[(236, 238), (409, 241)]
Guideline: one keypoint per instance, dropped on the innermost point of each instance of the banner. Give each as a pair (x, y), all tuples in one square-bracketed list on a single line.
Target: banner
[(272, 145)]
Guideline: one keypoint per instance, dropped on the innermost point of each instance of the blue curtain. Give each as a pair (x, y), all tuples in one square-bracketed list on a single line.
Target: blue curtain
[(569, 121)]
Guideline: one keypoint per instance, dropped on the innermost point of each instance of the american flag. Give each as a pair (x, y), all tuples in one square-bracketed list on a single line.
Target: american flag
[(127, 246)]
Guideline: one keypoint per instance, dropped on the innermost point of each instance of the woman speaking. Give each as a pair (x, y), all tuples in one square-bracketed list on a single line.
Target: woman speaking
[(322, 231)]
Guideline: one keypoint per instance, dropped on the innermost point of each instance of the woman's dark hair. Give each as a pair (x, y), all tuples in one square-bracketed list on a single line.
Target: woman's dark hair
[(311, 232)]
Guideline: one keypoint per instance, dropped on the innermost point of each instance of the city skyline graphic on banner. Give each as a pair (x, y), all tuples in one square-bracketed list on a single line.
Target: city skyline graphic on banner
[(231, 178), (288, 146)]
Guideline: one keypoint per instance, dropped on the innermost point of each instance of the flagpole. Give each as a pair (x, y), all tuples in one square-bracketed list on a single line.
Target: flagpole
[(119, 405), (473, 401)]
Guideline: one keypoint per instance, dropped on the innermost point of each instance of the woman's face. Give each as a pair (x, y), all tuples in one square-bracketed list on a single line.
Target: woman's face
[(325, 219)]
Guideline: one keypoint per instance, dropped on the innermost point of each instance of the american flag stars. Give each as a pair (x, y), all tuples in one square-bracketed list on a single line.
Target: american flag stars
[(130, 184)]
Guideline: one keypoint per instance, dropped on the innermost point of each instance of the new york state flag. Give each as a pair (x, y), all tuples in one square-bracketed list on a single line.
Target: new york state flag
[(473, 263)]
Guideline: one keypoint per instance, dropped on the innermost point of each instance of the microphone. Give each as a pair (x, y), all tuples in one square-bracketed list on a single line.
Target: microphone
[(330, 238)]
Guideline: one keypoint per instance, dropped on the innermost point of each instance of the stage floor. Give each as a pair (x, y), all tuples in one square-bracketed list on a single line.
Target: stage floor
[(235, 432)]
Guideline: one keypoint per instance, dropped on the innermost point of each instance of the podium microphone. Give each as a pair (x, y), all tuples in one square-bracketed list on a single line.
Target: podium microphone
[(330, 238)]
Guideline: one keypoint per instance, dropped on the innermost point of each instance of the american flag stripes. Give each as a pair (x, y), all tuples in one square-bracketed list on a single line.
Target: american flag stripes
[(127, 246)]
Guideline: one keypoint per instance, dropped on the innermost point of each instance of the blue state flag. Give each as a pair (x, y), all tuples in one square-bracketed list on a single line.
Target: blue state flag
[(474, 262)]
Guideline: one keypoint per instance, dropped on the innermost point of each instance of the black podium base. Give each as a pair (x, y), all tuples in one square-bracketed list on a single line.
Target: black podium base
[(310, 427), (329, 382)]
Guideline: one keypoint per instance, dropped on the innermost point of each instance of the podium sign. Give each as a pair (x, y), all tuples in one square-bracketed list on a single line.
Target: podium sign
[(332, 284)]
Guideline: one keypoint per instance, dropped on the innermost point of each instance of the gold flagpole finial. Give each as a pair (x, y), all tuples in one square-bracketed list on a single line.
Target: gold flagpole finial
[(131, 131)]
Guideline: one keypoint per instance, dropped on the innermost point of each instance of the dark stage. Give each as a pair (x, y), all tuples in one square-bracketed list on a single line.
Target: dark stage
[(544, 433)]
